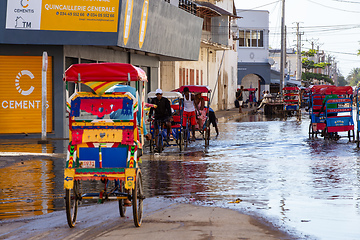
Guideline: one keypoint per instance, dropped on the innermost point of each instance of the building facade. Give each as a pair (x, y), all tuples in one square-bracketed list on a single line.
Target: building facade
[(253, 48), (139, 32), (216, 65)]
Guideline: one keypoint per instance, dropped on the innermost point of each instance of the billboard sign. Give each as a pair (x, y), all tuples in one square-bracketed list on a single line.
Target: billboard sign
[(63, 15)]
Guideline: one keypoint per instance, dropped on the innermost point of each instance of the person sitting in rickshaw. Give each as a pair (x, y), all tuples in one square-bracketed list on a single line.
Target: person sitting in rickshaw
[(202, 111), (189, 110), (163, 113)]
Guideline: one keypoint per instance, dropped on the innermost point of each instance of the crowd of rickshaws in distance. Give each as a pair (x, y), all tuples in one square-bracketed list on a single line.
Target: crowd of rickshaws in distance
[(107, 127)]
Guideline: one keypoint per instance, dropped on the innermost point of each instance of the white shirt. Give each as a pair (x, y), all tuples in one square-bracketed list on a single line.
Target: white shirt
[(188, 104)]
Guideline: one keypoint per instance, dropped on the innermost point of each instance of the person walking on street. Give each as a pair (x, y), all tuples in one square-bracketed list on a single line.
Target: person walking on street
[(239, 97)]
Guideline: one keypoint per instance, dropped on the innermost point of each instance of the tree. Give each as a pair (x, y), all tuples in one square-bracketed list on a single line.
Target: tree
[(354, 77), (310, 64), (342, 81)]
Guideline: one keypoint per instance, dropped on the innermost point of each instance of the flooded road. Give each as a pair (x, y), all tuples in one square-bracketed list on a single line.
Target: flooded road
[(308, 187)]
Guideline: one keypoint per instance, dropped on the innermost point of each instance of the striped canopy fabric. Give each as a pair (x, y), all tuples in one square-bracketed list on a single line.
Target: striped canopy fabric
[(102, 76)]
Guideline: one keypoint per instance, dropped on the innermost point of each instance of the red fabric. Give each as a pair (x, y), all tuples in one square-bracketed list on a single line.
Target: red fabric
[(337, 90), (194, 88), (104, 72), (317, 88), (340, 128), (189, 115)]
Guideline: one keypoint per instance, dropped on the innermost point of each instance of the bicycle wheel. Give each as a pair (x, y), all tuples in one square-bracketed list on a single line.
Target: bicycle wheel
[(137, 200), (122, 208), (207, 133), (72, 197), (160, 141), (181, 140), (311, 131)]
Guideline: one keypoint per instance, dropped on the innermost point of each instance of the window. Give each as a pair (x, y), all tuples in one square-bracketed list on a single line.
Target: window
[(251, 38), (207, 24)]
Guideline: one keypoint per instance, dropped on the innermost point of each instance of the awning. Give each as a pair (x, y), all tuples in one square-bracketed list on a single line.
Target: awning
[(211, 10)]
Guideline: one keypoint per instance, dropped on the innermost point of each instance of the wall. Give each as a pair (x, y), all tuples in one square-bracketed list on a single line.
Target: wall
[(254, 20)]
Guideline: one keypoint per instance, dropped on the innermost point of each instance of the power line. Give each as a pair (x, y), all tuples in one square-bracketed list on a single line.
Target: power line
[(245, 10), (338, 9), (346, 1)]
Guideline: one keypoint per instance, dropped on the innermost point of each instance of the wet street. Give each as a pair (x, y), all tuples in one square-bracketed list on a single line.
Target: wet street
[(310, 188)]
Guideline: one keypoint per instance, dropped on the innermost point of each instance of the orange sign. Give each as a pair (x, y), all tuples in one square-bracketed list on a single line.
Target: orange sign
[(80, 15), (20, 94)]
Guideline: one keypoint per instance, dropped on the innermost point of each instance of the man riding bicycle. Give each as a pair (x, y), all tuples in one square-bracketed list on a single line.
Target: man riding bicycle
[(162, 113)]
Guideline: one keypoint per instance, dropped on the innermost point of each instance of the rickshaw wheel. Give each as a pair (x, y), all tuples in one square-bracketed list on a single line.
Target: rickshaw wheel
[(71, 202), (351, 135), (137, 200), (181, 141), (311, 131), (207, 136), (122, 208)]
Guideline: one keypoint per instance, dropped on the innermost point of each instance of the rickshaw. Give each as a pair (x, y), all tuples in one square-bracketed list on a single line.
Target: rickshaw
[(337, 106), (176, 129), (100, 148), (317, 117), (291, 100), (205, 92)]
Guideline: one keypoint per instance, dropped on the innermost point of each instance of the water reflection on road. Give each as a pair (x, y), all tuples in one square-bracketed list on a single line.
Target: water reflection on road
[(309, 186)]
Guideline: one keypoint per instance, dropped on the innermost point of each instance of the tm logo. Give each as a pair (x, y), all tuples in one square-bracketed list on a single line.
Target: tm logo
[(21, 23), (17, 82)]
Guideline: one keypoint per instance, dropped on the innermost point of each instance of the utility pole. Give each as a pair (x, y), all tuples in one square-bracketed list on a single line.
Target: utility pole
[(298, 53), (283, 48)]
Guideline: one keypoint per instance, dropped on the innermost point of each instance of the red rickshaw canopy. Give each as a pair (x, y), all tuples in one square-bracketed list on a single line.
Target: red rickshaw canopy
[(337, 90), (104, 72), (194, 89)]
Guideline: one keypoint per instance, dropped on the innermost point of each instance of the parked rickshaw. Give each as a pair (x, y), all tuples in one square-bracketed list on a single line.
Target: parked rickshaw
[(337, 104), (331, 111), (176, 129), (102, 148), (317, 117), (205, 92), (291, 100)]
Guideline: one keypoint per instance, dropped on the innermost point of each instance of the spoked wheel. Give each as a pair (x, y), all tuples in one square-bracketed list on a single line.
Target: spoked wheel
[(160, 142), (181, 140), (72, 198), (186, 137), (152, 144), (122, 208), (137, 200), (207, 135), (351, 134), (311, 131)]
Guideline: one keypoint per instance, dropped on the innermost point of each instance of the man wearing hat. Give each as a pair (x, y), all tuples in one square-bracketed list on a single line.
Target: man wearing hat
[(162, 112)]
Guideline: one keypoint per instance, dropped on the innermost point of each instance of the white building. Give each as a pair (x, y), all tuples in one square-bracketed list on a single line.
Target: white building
[(253, 49), (217, 62)]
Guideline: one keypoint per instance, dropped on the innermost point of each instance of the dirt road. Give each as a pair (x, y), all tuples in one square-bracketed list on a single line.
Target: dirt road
[(163, 219)]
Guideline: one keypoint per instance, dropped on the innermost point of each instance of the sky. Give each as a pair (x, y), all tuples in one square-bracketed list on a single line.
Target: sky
[(333, 25)]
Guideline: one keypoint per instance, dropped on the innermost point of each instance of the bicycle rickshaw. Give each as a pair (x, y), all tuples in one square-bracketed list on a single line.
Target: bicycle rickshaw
[(317, 117), (176, 129), (338, 112), (101, 148), (291, 100), (331, 111), (205, 92)]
